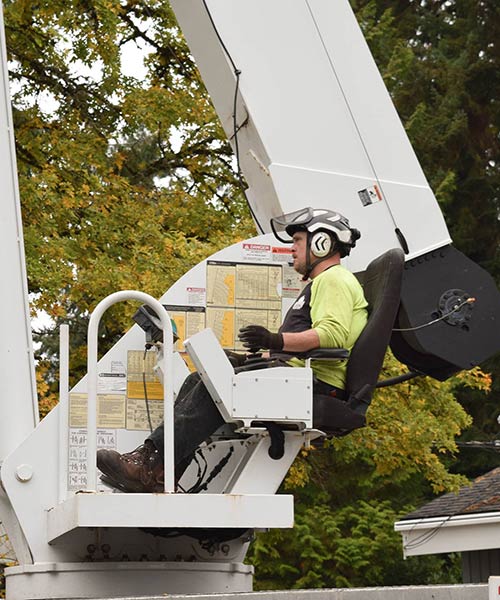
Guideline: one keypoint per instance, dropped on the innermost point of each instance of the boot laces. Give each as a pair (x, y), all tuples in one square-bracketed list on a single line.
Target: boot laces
[(141, 455)]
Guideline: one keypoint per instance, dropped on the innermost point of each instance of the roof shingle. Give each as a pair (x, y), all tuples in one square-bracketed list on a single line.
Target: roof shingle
[(483, 495)]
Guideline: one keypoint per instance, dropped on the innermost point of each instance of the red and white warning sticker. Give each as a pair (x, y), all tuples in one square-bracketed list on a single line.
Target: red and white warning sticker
[(256, 252), (370, 195)]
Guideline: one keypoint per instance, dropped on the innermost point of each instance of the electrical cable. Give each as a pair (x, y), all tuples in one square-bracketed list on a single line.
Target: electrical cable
[(205, 463), (195, 488), (468, 301), (200, 474), (146, 389), (236, 128), (397, 230), (428, 535), (493, 446), (215, 471)]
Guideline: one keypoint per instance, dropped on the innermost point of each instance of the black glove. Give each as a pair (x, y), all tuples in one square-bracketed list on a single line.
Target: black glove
[(255, 337), (235, 358)]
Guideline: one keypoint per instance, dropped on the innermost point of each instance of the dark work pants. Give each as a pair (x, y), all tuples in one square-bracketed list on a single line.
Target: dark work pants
[(196, 417)]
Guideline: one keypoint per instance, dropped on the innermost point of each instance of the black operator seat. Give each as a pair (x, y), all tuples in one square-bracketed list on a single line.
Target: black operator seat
[(382, 287)]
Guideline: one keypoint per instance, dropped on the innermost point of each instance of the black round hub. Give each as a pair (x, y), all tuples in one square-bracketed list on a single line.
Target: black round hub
[(452, 304)]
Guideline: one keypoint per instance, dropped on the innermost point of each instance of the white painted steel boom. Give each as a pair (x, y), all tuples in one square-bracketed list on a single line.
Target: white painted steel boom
[(18, 397), (316, 124)]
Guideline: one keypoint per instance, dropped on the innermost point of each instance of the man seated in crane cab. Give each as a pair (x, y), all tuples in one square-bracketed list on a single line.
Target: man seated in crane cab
[(330, 312)]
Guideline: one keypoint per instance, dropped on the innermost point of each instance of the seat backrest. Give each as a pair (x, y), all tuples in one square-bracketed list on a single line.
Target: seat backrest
[(382, 287)]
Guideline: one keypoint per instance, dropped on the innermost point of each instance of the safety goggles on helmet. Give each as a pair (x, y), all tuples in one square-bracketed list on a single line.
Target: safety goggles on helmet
[(290, 223), (313, 220)]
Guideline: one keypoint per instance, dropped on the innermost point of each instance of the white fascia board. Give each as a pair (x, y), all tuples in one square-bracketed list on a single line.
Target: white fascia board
[(458, 533)]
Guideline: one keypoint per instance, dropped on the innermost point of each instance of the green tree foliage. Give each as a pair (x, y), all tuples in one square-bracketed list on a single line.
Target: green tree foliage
[(5, 558), (350, 492), (349, 547), (126, 182), (440, 62)]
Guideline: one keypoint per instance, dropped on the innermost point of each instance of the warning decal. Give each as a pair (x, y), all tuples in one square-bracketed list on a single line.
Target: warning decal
[(370, 195)]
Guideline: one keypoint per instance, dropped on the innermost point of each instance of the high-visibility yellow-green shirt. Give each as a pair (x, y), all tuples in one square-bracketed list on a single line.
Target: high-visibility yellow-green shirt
[(333, 304)]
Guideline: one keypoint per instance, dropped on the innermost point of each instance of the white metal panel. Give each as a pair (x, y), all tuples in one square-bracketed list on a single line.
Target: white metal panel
[(155, 579), (170, 510), (260, 473), (279, 394), (316, 105), (234, 451), (214, 368), (375, 221), (180, 369), (309, 187), (31, 499), (179, 294), (363, 88), (250, 469), (17, 374), (287, 84)]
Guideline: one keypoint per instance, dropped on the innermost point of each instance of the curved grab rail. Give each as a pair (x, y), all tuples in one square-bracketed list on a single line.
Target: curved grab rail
[(168, 390)]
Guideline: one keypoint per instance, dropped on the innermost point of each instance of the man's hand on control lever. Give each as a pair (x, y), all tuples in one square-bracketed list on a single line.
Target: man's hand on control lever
[(256, 337)]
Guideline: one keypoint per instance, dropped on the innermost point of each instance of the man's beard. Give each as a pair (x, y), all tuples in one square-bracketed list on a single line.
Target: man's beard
[(300, 267)]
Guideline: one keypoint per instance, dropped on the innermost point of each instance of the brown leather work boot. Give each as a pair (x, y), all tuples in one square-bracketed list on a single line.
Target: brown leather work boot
[(139, 471)]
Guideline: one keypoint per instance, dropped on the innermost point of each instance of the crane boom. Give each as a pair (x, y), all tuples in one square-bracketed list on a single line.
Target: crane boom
[(314, 123), (18, 397)]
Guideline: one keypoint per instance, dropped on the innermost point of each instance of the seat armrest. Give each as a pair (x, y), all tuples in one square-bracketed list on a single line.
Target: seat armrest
[(328, 354)]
